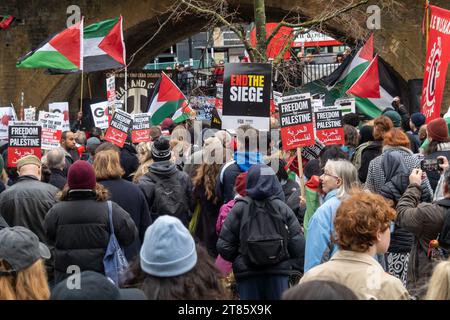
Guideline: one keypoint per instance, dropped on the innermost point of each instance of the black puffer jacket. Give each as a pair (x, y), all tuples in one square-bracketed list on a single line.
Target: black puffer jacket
[(260, 188), (79, 230), (165, 170)]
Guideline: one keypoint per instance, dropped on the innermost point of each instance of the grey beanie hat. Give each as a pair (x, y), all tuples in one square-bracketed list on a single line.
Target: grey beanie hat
[(168, 249)]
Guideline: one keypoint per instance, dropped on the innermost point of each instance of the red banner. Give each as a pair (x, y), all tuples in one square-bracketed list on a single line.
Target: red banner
[(438, 57), (278, 42)]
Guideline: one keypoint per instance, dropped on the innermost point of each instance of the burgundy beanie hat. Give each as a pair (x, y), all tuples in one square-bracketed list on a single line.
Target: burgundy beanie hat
[(81, 176), (438, 130)]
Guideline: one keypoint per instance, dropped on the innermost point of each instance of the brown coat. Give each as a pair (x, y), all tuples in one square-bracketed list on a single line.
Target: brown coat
[(425, 221), (362, 274)]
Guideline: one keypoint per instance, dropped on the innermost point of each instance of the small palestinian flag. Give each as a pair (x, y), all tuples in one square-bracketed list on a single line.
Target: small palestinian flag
[(62, 51), (166, 100), (182, 114)]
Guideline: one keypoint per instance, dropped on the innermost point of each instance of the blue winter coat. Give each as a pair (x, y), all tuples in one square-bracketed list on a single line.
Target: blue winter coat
[(320, 229)]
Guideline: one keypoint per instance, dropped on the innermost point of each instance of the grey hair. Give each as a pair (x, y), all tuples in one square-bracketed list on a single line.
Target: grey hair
[(56, 159), (80, 137), (347, 172)]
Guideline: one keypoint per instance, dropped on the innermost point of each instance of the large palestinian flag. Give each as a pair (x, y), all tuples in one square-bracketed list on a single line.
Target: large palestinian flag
[(371, 97), (366, 79), (166, 100), (63, 51), (104, 47)]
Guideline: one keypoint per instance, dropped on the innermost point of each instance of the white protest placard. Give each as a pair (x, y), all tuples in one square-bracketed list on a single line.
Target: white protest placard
[(111, 91), (63, 108), (29, 114), (6, 114), (52, 128), (99, 114)]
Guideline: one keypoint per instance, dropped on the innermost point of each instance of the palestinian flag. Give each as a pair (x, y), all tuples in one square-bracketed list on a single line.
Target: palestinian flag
[(166, 100), (182, 114), (355, 74), (62, 51), (371, 97), (104, 46)]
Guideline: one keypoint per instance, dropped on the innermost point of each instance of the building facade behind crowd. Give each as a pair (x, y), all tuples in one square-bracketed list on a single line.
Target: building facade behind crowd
[(213, 221)]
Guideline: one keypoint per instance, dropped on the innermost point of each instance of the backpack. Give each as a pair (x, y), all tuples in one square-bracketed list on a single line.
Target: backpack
[(114, 261), (264, 235), (169, 197)]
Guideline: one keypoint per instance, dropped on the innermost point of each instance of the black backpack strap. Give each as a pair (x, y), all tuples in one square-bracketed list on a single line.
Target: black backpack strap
[(243, 232)]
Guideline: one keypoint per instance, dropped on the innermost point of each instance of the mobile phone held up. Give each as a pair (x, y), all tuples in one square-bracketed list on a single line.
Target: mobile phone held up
[(430, 164)]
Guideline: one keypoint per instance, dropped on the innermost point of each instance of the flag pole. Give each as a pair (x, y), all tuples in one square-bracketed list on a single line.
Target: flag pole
[(300, 172), (126, 89), (81, 93)]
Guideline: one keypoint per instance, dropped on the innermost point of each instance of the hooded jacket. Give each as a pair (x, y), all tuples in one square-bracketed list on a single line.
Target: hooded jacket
[(165, 170), (261, 188), (230, 170), (383, 178)]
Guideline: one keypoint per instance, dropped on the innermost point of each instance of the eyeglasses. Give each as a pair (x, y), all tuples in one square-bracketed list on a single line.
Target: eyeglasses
[(330, 175)]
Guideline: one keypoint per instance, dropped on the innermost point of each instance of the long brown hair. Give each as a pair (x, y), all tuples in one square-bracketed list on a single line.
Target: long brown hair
[(101, 193), (107, 165), (206, 174), (200, 283), (28, 284)]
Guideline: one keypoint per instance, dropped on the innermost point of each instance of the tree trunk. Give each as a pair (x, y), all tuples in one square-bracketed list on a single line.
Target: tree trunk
[(260, 26)]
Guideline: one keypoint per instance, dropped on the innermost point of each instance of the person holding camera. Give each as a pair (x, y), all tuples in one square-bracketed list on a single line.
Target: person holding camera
[(437, 132), (426, 222)]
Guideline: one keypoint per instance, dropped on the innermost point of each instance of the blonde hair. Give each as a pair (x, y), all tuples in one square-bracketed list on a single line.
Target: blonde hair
[(345, 171), (28, 284), (107, 165), (144, 150), (439, 285), (142, 170)]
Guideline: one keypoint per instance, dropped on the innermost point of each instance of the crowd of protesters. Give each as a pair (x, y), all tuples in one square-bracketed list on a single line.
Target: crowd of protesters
[(220, 217)]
